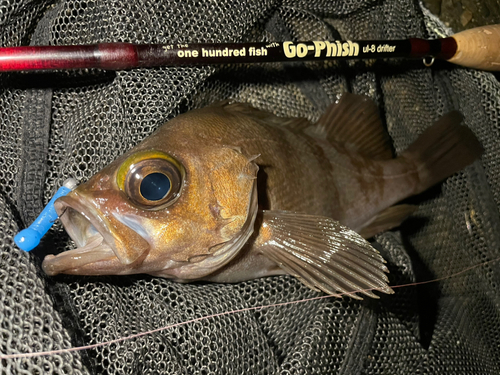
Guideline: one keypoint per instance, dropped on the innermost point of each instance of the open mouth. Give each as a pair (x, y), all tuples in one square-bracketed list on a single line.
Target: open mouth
[(89, 234)]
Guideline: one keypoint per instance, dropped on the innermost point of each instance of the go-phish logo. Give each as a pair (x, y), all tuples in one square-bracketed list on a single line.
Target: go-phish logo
[(321, 49)]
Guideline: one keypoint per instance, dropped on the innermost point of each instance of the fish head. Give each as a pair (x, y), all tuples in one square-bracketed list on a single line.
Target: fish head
[(179, 205)]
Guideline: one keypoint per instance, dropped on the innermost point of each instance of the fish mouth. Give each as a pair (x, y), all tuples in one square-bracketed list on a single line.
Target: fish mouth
[(95, 243)]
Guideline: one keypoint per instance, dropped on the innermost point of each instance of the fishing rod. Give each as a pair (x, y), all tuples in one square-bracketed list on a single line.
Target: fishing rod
[(477, 48)]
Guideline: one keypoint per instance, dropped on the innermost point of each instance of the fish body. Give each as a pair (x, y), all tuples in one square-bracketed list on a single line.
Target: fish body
[(249, 194)]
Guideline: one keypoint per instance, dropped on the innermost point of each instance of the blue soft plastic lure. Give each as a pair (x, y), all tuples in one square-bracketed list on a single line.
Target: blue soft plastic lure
[(29, 238)]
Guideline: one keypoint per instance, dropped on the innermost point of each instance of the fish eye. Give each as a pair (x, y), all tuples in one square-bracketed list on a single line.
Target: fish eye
[(153, 183), (155, 186)]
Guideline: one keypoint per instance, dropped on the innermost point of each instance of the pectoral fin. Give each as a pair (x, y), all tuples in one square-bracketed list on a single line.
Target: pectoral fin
[(322, 253)]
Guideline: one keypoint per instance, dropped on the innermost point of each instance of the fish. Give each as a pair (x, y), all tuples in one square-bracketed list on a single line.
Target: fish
[(229, 193)]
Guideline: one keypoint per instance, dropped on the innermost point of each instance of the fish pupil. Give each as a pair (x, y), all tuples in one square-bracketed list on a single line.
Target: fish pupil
[(155, 186)]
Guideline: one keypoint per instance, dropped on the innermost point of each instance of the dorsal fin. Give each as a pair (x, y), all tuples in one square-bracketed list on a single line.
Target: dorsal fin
[(292, 123), (354, 121)]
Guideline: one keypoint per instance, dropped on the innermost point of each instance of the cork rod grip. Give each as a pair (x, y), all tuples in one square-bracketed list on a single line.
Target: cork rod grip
[(478, 48)]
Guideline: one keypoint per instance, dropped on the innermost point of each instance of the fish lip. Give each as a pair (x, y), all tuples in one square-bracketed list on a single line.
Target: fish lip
[(73, 261), (85, 253)]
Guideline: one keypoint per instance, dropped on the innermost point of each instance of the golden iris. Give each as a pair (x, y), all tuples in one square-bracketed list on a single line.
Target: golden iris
[(151, 179)]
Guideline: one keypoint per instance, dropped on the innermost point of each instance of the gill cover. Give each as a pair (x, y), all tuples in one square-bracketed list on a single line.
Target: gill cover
[(230, 179)]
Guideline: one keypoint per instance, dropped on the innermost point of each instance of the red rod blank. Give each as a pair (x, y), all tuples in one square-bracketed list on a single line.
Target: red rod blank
[(117, 56), (111, 56)]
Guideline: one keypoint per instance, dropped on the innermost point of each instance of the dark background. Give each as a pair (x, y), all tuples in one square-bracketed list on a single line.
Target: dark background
[(465, 14)]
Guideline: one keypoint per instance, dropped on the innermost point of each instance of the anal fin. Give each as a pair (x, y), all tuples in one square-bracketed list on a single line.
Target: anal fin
[(322, 253), (390, 218)]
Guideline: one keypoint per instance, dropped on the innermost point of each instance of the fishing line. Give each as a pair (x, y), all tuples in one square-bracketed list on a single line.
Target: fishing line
[(255, 308)]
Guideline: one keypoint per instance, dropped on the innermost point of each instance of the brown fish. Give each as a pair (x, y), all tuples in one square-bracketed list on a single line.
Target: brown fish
[(229, 193)]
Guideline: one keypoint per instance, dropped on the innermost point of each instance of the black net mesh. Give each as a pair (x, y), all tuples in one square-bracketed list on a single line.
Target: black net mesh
[(71, 124)]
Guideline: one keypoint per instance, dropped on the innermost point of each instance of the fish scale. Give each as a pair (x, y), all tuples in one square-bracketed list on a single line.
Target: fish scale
[(260, 196)]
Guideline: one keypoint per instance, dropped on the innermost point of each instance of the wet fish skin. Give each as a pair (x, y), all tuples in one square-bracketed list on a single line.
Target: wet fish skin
[(306, 179), (205, 216)]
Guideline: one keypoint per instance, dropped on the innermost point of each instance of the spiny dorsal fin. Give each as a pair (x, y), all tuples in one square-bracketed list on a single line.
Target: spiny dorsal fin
[(390, 218), (354, 121), (292, 123)]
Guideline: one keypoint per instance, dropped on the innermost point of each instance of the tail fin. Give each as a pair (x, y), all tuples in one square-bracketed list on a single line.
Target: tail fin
[(442, 150)]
